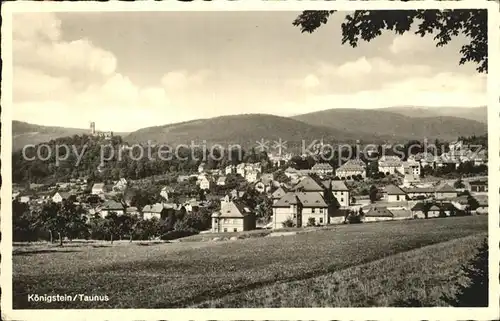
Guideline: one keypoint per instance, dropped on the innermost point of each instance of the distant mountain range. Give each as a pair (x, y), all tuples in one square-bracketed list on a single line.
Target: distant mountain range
[(245, 130), (392, 124), (395, 125), (479, 114)]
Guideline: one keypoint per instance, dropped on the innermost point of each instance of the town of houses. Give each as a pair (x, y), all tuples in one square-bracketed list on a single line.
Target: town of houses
[(319, 196)]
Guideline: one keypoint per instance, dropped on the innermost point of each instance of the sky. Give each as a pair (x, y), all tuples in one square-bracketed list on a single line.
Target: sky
[(130, 70)]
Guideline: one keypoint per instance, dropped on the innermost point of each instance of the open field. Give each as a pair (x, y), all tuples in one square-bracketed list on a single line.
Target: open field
[(189, 273), (417, 278)]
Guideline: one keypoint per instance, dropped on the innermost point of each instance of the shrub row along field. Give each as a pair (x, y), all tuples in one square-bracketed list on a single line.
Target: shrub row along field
[(190, 273)]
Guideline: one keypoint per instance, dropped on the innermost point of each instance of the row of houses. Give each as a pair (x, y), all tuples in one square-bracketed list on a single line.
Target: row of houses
[(394, 165), (329, 201)]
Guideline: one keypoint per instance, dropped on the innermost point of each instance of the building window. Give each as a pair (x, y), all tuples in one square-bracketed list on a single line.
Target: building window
[(235, 230), (341, 193), (341, 200), (321, 211), (320, 220), (397, 197), (294, 215), (216, 221), (225, 230), (313, 210)]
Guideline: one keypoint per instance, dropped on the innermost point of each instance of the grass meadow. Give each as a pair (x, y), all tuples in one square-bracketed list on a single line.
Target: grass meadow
[(378, 264)]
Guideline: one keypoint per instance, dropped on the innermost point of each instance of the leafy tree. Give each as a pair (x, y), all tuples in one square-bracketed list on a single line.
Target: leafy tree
[(264, 209), (75, 225), (353, 218), (373, 194), (459, 184), (445, 25), (472, 202), (111, 225), (23, 224), (126, 224), (146, 229), (311, 221), (280, 176)]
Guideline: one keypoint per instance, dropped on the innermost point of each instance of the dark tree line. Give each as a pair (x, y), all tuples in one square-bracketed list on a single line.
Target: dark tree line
[(69, 221), (42, 168)]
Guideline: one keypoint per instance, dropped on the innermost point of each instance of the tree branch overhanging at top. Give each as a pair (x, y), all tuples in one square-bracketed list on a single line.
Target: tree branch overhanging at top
[(366, 25)]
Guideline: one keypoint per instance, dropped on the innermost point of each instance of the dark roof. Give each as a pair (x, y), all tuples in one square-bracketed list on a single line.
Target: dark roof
[(112, 205), (288, 199), (419, 190), (394, 190), (446, 189), (401, 213), (306, 199), (234, 209), (418, 207), (478, 182), (339, 186), (379, 212), (279, 193), (311, 199), (353, 165), (309, 184)]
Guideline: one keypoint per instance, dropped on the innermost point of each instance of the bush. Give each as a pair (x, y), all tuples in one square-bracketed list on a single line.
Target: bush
[(288, 223), (459, 184), (311, 221), (172, 235), (354, 218)]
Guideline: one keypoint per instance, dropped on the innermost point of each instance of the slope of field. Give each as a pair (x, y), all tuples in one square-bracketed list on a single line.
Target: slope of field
[(185, 274), (244, 130), (418, 278), (25, 133), (392, 124), (479, 114)]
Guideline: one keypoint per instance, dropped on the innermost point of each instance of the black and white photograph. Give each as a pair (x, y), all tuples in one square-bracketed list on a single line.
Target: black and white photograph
[(312, 156)]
